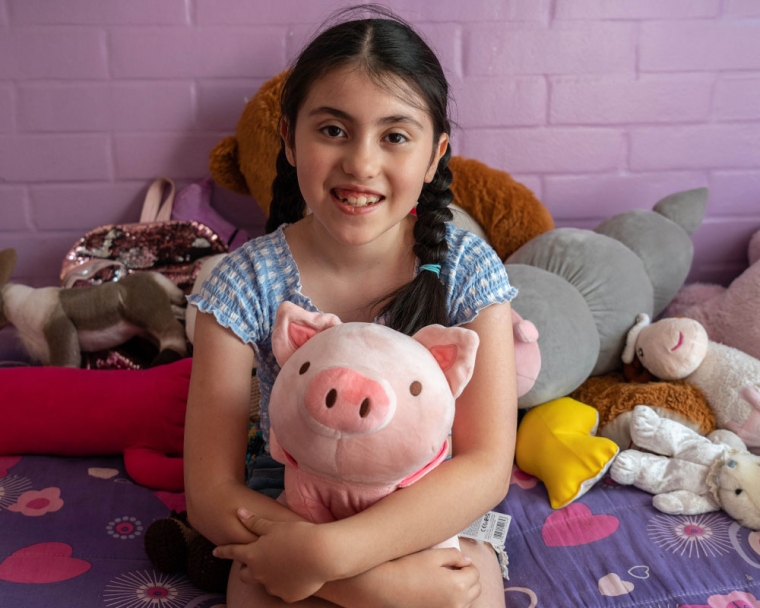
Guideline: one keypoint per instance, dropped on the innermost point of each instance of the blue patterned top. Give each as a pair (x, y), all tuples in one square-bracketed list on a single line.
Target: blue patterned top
[(247, 286)]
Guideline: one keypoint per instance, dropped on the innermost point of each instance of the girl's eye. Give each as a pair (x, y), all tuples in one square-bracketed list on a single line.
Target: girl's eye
[(396, 138), (333, 131)]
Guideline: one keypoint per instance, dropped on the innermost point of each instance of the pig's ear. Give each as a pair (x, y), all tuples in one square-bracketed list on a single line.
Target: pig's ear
[(454, 349), (294, 326)]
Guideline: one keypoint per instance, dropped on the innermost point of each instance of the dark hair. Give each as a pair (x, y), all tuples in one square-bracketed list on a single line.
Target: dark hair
[(385, 48)]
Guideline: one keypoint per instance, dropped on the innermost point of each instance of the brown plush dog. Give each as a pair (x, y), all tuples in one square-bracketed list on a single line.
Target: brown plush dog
[(614, 397), (245, 163)]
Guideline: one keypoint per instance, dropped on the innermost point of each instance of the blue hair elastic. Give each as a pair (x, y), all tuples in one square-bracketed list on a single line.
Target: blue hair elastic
[(436, 268)]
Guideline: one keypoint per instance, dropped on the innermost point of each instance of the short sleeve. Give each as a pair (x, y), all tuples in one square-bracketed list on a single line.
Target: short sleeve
[(476, 277), (236, 294)]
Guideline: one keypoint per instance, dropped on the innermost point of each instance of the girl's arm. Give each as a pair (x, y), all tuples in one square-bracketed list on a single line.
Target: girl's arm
[(440, 505), (216, 436)]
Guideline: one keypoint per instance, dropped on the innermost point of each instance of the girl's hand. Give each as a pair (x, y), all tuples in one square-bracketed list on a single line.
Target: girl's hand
[(444, 578), (287, 558)]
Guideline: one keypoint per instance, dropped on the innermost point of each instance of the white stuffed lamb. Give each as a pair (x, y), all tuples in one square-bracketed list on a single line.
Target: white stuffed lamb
[(689, 473), (678, 348)]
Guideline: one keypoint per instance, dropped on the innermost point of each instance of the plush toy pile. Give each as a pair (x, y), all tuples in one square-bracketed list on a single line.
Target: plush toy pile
[(583, 288)]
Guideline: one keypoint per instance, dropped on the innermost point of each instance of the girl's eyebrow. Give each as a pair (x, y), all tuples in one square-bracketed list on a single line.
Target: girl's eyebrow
[(386, 120)]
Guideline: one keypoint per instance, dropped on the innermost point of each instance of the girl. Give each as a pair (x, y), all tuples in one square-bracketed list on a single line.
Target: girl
[(365, 138)]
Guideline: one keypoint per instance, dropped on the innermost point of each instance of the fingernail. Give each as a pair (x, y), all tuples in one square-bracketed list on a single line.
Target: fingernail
[(215, 553), (244, 513)]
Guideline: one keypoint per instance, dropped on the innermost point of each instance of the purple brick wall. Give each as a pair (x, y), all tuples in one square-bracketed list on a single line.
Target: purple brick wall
[(597, 106)]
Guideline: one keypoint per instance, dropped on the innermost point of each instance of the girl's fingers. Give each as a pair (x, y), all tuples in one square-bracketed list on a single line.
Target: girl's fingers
[(229, 552), (454, 558), (255, 524)]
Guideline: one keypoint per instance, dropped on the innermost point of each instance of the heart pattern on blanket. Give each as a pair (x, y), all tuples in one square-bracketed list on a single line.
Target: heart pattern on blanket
[(174, 500), (8, 462), (612, 585), (42, 563), (575, 525)]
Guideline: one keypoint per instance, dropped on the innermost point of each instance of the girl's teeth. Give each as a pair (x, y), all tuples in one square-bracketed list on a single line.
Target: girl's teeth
[(361, 200)]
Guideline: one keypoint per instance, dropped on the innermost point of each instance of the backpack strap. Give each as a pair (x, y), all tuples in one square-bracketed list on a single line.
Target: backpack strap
[(153, 209)]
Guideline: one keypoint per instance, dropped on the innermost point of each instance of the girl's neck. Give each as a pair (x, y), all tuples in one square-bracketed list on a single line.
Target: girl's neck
[(347, 280), (391, 250)]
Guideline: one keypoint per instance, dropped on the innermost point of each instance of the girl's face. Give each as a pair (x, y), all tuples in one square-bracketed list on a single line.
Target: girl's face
[(362, 154)]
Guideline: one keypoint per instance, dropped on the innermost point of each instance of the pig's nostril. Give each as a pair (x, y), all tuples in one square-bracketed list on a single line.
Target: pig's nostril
[(364, 409), (331, 398)]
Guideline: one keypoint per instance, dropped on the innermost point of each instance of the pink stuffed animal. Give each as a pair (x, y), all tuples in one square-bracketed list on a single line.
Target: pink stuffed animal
[(527, 353), (729, 315), (359, 410)]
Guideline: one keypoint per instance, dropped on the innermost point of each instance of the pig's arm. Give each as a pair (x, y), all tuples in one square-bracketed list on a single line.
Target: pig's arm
[(441, 504)]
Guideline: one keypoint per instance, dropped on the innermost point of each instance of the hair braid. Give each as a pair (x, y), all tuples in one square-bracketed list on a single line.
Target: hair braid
[(423, 301), (287, 204)]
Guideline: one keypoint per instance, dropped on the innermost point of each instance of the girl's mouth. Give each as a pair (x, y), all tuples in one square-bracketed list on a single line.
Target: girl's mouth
[(356, 199)]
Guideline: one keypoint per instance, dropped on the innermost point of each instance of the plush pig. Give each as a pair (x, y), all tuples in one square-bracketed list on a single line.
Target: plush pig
[(359, 410)]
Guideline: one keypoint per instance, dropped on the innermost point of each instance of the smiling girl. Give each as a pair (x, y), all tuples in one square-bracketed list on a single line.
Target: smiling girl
[(365, 140)]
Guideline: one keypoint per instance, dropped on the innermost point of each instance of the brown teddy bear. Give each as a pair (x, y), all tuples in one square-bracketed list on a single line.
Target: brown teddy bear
[(245, 163)]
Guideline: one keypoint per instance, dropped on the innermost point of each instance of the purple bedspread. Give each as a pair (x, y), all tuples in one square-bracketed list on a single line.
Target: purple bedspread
[(71, 535), (612, 548)]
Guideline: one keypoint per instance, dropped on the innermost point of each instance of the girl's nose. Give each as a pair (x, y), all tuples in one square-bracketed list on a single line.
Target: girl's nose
[(362, 160)]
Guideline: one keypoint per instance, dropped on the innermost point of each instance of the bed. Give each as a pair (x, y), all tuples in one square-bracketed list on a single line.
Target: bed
[(72, 530)]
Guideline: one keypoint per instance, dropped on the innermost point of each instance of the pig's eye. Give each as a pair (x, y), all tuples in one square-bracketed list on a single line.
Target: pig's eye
[(415, 388), (304, 368)]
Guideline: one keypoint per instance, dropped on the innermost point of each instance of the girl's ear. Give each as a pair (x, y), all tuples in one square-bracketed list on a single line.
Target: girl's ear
[(285, 134), (438, 152), (294, 326)]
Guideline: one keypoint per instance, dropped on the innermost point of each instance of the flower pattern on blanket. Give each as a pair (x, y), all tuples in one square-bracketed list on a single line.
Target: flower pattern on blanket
[(11, 487), (704, 535), (38, 502)]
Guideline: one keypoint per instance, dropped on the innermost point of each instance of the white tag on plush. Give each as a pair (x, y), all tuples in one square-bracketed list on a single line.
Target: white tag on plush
[(492, 528)]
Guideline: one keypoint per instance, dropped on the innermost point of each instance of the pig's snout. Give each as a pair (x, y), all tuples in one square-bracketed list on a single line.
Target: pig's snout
[(344, 400)]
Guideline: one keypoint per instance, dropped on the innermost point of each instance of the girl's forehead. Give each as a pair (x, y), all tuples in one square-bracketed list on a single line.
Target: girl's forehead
[(352, 91)]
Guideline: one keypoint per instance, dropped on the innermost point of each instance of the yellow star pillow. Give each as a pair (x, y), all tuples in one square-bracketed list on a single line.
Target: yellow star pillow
[(556, 444)]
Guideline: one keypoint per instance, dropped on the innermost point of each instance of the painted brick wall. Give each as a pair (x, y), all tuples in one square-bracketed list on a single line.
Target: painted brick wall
[(597, 105)]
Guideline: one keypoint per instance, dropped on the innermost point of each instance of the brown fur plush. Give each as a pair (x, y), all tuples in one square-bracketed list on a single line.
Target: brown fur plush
[(614, 398), (245, 163)]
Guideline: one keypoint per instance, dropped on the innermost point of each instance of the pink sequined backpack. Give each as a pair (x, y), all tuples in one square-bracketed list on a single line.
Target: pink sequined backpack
[(175, 248)]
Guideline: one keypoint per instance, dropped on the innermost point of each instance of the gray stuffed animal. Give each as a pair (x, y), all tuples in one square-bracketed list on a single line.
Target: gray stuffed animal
[(582, 289)]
